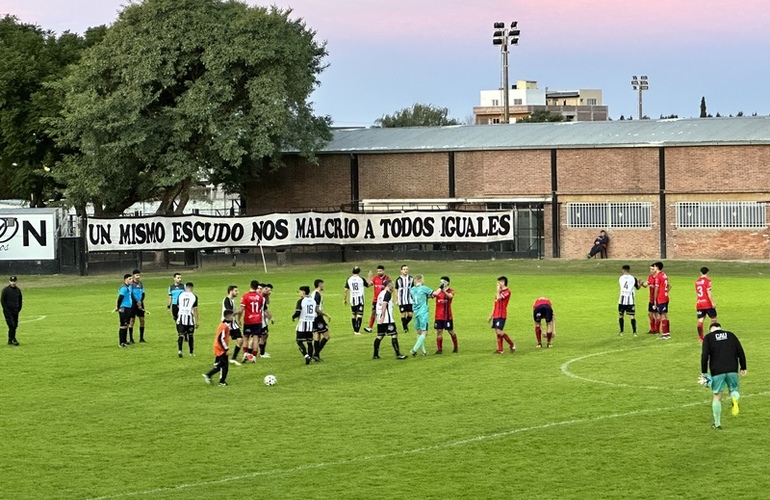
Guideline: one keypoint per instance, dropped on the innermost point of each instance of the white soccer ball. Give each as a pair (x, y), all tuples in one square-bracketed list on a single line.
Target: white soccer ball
[(270, 380)]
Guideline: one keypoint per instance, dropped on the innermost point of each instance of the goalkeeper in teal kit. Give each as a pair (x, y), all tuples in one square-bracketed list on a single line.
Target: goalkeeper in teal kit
[(420, 295)]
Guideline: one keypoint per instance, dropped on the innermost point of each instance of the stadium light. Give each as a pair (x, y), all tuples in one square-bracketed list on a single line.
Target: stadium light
[(640, 84), (505, 37)]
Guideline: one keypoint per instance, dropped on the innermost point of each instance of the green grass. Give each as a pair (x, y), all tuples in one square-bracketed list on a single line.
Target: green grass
[(81, 418)]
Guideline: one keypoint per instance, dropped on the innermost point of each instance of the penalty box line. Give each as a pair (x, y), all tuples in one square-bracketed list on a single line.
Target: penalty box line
[(413, 451)]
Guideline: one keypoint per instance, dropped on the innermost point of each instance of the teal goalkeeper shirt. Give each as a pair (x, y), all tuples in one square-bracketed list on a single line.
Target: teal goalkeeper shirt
[(420, 295)]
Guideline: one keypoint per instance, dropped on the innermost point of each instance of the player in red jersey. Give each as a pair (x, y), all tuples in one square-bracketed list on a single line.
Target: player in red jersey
[(543, 310), (662, 287), (252, 304), (444, 320), (377, 282), (652, 311), (704, 305), (499, 315)]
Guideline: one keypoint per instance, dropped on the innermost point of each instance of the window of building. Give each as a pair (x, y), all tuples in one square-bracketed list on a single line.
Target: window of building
[(517, 102), (495, 102), (609, 215), (591, 102), (720, 214), (495, 120)]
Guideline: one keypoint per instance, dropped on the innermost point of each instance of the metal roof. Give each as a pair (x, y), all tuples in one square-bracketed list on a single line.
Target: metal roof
[(625, 133)]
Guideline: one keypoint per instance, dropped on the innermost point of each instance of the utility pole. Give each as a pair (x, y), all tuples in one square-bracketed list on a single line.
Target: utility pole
[(640, 84), (505, 37)]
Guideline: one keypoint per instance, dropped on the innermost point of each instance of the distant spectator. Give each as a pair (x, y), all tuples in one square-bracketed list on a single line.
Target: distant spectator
[(600, 245)]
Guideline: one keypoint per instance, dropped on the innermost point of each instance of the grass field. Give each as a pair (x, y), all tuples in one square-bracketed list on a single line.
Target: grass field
[(597, 416)]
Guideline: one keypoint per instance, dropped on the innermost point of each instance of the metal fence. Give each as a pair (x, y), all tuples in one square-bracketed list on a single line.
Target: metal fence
[(721, 214), (609, 215)]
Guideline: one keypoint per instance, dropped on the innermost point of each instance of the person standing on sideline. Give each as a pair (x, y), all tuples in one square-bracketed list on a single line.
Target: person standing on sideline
[(499, 315), (662, 287), (627, 301), (704, 305), (543, 310), (174, 290), (221, 344), (386, 324), (123, 308), (306, 313), (378, 282), (187, 320), (320, 326), (11, 301), (137, 289), (228, 304), (404, 283), (721, 355), (419, 299), (444, 296), (355, 286)]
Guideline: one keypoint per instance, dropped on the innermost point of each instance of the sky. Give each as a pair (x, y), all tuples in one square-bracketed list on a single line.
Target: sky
[(385, 55)]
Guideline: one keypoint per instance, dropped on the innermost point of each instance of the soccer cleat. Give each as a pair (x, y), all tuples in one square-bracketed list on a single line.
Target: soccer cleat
[(308, 359), (736, 410), (131, 341), (192, 355), (424, 353), (367, 330), (375, 357), (664, 337), (439, 352), (498, 352), (539, 345), (316, 359), (14, 342), (512, 348), (634, 334), (620, 334), (454, 351), (406, 330), (356, 333), (414, 353), (548, 345), (235, 362), (266, 355), (223, 384), (716, 427), (179, 353), (400, 356), (207, 379), (142, 341)]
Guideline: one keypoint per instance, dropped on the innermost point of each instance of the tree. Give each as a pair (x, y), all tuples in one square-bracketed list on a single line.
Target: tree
[(419, 115), (703, 113), (541, 115), (181, 92)]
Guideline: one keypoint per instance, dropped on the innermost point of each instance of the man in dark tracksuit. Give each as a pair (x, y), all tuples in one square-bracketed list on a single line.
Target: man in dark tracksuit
[(11, 301), (723, 356)]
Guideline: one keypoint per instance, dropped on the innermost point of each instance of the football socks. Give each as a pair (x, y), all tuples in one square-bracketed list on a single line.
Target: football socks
[(716, 409), (621, 322), (539, 333)]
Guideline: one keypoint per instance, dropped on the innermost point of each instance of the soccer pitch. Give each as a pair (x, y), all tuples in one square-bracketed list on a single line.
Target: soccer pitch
[(596, 416)]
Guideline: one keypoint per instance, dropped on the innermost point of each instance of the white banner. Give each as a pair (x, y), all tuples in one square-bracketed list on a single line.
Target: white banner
[(28, 234), (310, 228)]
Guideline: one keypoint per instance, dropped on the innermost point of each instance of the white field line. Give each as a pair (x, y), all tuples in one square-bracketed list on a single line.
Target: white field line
[(36, 318), (413, 451)]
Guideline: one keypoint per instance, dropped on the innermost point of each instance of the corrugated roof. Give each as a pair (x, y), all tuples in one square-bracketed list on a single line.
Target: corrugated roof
[(625, 133)]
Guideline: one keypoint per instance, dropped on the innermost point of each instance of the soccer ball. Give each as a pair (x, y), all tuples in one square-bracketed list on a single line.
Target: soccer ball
[(270, 380)]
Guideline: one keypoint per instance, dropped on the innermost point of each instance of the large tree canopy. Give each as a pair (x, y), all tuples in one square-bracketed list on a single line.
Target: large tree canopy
[(419, 115), (184, 91)]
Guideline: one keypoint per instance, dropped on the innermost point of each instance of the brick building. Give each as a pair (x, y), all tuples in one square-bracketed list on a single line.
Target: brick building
[(681, 189)]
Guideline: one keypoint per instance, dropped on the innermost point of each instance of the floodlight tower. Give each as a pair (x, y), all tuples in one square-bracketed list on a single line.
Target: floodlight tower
[(640, 84), (504, 38)]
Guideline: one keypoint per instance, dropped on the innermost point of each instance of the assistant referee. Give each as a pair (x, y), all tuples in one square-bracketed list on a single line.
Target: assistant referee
[(721, 355)]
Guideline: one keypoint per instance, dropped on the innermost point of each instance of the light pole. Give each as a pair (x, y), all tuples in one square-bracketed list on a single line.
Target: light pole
[(505, 37), (640, 84)]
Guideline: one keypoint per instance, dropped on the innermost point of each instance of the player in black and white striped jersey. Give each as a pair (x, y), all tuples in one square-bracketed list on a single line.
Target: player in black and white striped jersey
[(229, 304), (386, 324), (306, 313), (187, 318), (320, 327), (404, 284), (355, 286), (627, 301)]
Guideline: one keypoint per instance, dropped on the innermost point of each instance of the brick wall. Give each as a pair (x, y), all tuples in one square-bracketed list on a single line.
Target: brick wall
[(503, 173), (403, 175), (620, 170), (723, 168)]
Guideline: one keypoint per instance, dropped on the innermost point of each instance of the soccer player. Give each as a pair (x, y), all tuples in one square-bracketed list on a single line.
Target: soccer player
[(11, 301), (228, 304), (386, 324), (187, 319), (419, 299), (266, 290), (123, 308), (137, 289), (173, 295), (443, 318), (403, 284), (721, 354), (662, 287), (378, 282), (221, 344), (652, 311), (355, 286), (499, 315), (306, 313), (252, 304), (704, 305), (320, 326), (543, 310), (627, 301)]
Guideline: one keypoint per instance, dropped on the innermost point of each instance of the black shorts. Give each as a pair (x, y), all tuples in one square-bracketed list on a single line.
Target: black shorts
[(125, 315), (651, 307), (249, 330), (406, 308), (185, 329), (320, 326), (304, 336), (136, 312), (498, 323), (386, 329), (374, 307), (359, 309), (441, 324), (629, 309), (174, 311), (543, 312), (662, 308), (236, 334), (711, 313)]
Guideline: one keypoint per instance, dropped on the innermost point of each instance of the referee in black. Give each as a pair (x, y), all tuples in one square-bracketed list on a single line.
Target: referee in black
[(11, 302), (722, 353)]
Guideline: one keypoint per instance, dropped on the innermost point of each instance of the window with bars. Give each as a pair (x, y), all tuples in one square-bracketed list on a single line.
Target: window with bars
[(720, 214), (609, 215)]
